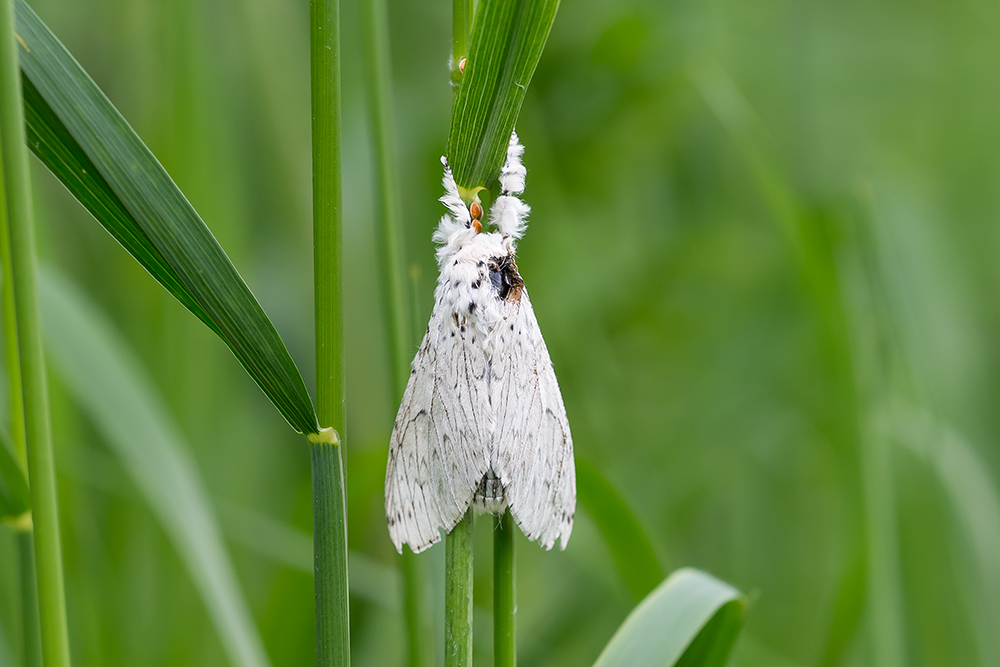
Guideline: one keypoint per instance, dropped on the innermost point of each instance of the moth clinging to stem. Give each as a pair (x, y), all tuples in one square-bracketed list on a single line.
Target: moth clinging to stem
[(482, 421)]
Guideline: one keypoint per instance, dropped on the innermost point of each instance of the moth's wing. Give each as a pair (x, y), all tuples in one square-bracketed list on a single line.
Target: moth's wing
[(533, 446), (437, 451)]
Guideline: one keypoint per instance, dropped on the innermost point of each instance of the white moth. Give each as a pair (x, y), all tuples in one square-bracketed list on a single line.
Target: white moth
[(482, 421)]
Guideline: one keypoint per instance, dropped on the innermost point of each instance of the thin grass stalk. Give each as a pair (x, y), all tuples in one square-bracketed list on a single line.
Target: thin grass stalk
[(458, 594), (458, 572), (504, 594), (392, 252), (10, 333), (415, 609), (31, 643), (31, 647), (375, 26), (329, 507), (329, 546), (888, 646), (37, 426)]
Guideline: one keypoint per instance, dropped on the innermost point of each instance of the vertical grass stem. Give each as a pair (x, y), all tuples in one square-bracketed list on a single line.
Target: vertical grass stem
[(415, 609), (31, 646), (375, 26), (31, 641), (329, 554), (458, 544), (458, 594), (329, 519), (504, 594), (10, 331), (37, 427)]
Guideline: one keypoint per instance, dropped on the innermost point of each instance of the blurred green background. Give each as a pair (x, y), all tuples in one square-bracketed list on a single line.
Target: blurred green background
[(763, 253)]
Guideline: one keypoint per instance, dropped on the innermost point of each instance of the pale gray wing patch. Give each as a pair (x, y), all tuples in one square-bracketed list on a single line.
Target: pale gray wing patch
[(532, 444), (437, 453)]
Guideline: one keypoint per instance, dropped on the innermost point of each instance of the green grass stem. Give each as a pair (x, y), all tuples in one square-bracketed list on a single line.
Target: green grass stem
[(504, 593), (884, 592), (10, 333), (37, 426), (330, 556), (458, 594), (392, 249), (31, 644), (375, 27), (415, 609), (458, 584), (329, 508), (31, 650)]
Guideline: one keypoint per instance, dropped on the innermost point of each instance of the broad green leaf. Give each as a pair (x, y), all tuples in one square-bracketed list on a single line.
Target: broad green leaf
[(691, 619), (507, 41), (80, 136), (630, 546), (112, 388), (14, 500)]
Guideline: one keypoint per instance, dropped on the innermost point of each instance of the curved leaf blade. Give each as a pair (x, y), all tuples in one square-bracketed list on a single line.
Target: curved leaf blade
[(52, 143), (110, 385), (76, 131), (691, 619), (631, 548), (507, 41)]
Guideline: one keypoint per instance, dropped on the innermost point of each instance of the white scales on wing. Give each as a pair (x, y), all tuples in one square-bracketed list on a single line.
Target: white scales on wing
[(482, 422)]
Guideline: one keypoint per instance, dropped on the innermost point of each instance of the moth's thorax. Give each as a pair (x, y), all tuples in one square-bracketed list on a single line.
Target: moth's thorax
[(479, 286)]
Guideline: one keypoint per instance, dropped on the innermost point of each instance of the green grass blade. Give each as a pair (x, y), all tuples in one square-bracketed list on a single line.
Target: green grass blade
[(109, 384), (630, 546), (14, 499), (506, 44), (77, 132), (975, 500), (53, 144), (690, 619)]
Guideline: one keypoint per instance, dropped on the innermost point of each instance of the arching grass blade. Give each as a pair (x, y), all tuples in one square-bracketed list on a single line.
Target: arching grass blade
[(76, 131), (691, 619), (630, 546)]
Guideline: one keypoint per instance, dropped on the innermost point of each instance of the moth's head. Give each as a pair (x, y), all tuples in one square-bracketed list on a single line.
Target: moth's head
[(506, 281)]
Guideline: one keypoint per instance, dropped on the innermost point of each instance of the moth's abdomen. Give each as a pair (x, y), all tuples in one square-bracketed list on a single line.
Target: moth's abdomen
[(490, 496)]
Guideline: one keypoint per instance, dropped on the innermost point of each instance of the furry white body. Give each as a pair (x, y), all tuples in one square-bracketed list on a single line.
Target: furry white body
[(482, 421)]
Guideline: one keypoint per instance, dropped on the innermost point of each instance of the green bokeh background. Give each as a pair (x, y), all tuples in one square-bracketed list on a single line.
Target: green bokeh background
[(763, 252)]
